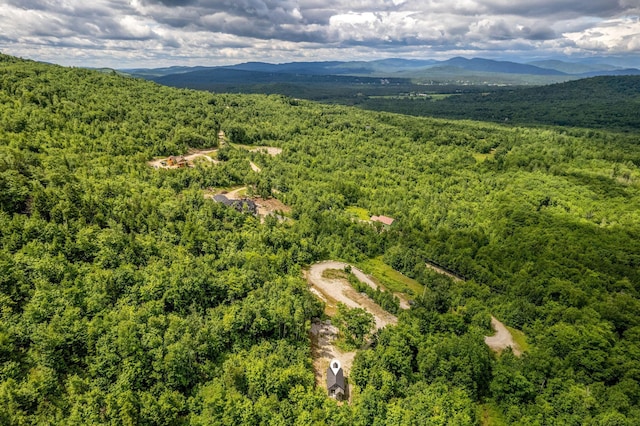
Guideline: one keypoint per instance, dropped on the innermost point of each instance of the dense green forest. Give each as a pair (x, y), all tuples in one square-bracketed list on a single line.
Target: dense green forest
[(605, 102), (129, 298), (336, 89), (609, 102)]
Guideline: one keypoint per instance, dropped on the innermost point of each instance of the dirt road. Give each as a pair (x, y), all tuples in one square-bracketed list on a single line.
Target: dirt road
[(162, 163), (204, 154), (499, 341), (502, 339), (338, 290), (236, 193), (332, 291), (323, 334), (443, 272)]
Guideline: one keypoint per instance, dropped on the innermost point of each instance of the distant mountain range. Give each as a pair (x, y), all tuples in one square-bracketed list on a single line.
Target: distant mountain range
[(456, 70)]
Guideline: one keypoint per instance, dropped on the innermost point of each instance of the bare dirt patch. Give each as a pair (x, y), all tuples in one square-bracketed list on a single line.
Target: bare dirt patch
[(502, 339), (270, 150), (175, 162), (266, 206)]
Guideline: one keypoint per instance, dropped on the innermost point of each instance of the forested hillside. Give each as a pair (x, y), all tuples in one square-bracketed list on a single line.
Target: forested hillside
[(127, 297), (606, 102), (609, 103)]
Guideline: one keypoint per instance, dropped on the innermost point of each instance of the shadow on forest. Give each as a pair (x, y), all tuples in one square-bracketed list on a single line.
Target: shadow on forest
[(601, 185)]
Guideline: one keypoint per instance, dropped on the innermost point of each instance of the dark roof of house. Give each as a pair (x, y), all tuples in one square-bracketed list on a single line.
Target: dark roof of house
[(223, 199), (242, 205), (247, 204), (335, 379)]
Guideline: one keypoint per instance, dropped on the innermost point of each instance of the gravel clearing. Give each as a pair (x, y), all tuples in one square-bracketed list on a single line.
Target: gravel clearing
[(502, 339), (338, 290)]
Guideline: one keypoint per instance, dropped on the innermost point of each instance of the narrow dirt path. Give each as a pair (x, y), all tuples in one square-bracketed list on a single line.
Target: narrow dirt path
[(255, 167), (502, 339), (443, 272), (237, 193), (204, 154)]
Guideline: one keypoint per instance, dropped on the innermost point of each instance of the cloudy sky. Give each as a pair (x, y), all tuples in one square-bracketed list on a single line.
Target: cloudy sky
[(150, 33)]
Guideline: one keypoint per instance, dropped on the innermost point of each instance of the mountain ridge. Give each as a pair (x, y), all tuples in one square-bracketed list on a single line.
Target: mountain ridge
[(390, 66)]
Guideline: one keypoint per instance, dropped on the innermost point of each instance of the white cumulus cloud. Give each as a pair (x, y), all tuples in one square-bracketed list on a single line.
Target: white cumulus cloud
[(210, 32)]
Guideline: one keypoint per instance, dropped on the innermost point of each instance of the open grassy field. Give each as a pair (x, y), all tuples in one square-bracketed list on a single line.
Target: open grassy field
[(389, 277), (520, 338), (482, 157), (359, 212)]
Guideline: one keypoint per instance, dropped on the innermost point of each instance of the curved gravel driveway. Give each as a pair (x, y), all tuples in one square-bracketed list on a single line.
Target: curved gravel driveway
[(338, 290)]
